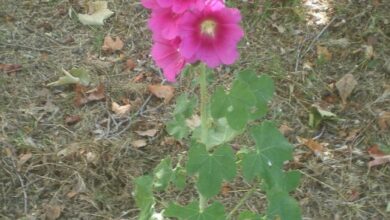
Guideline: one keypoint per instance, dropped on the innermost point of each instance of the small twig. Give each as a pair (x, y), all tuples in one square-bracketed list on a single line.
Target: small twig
[(241, 202), (25, 197), (26, 47), (325, 184)]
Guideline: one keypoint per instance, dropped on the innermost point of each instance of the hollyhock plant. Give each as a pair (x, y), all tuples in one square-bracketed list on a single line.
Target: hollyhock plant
[(180, 6), (166, 55), (211, 35), (164, 21)]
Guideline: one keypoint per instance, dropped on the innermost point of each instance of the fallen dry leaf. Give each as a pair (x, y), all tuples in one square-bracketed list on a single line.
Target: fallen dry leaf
[(23, 158), (384, 120), (162, 91), (319, 149), (120, 110), (130, 64), (83, 97), (10, 68), (139, 143), (72, 119), (316, 147), (98, 12), (345, 86), (111, 45), (53, 212), (148, 133), (379, 156), (285, 129), (226, 188), (323, 52)]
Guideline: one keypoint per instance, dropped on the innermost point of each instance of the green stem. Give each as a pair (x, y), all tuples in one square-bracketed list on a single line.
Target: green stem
[(241, 202), (204, 120), (203, 103)]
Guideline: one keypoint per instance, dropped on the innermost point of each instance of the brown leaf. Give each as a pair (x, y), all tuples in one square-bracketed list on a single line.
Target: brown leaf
[(379, 156), (53, 212), (23, 158), (285, 129), (111, 45), (162, 91), (226, 188), (72, 119), (120, 110), (10, 68), (384, 120), (345, 86), (148, 133), (323, 52), (316, 147), (319, 149), (83, 97), (139, 143), (130, 64)]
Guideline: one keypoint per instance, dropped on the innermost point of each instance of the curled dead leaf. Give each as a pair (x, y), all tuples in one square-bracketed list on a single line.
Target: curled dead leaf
[(345, 86), (319, 149), (72, 119), (384, 120), (111, 45), (120, 110), (379, 156), (148, 133), (139, 143), (98, 12), (83, 97), (162, 91)]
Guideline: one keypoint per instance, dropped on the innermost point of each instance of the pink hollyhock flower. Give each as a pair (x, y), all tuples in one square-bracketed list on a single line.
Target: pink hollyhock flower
[(163, 22), (180, 6), (150, 4), (167, 56), (211, 35)]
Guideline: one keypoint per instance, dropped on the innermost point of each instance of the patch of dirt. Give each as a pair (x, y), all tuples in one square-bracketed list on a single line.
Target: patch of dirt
[(53, 169)]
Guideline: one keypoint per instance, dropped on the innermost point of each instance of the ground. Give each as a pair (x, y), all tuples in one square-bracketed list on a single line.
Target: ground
[(55, 168)]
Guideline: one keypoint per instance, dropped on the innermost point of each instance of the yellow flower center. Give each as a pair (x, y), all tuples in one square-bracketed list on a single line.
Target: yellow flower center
[(208, 27)]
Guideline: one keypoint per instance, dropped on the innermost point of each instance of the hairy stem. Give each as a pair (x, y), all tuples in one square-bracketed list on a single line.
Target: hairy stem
[(204, 120), (203, 103)]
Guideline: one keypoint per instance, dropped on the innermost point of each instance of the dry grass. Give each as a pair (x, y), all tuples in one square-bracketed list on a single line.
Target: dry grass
[(86, 170)]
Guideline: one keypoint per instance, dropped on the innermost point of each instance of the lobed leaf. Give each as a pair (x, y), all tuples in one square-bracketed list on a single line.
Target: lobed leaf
[(191, 212), (211, 168), (271, 149), (143, 196)]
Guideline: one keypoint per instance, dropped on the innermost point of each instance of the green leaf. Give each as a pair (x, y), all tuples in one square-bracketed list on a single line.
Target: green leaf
[(220, 132), (185, 106), (248, 215), (282, 206), (162, 174), (219, 103), (143, 196), (317, 115), (179, 178), (81, 76), (276, 179), (211, 168), (271, 149), (177, 127), (191, 212), (263, 89)]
